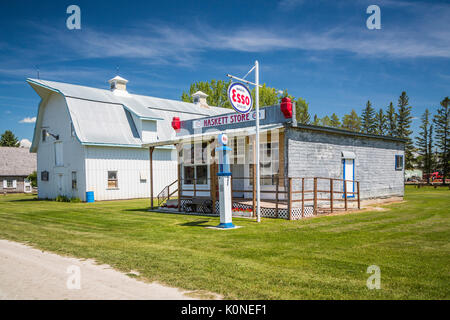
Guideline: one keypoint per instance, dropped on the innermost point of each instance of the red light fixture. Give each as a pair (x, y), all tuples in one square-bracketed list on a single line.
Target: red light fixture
[(286, 107), (176, 123)]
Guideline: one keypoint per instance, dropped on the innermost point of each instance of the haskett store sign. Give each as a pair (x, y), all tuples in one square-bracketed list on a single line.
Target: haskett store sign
[(228, 119)]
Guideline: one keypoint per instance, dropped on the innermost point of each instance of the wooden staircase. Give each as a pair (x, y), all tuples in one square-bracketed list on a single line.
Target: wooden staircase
[(167, 192)]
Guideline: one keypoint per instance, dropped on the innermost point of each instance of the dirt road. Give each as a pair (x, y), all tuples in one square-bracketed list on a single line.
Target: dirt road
[(27, 273)]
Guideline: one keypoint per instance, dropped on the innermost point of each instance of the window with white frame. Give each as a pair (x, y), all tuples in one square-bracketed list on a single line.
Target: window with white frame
[(113, 182), (195, 163), (9, 184)]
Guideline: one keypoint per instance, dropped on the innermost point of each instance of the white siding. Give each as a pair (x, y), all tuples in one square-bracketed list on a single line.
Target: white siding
[(149, 130), (129, 163), (57, 121)]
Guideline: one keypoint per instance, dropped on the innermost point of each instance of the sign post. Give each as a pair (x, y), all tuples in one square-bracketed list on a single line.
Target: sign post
[(239, 108), (258, 183)]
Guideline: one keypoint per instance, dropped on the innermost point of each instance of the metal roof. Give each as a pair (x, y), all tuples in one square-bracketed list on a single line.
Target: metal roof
[(16, 161), (100, 116)]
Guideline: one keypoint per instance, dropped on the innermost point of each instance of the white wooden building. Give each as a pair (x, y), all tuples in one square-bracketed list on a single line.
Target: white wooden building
[(90, 139)]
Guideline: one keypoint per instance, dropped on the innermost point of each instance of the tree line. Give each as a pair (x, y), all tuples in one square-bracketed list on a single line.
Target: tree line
[(431, 151)]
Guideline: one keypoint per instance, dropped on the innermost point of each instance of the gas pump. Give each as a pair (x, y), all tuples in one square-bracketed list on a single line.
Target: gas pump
[(224, 175)]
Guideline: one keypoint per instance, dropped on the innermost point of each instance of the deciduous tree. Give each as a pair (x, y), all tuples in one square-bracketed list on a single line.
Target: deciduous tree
[(351, 122)]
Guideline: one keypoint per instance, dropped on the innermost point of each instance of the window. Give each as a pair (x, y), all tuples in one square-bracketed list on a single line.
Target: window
[(44, 176), (74, 179), (201, 173), (195, 163), (398, 162), (44, 135), (112, 180), (59, 162), (268, 162), (189, 175), (9, 184)]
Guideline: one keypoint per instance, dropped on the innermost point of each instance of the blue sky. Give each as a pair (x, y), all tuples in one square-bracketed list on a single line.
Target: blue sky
[(319, 50)]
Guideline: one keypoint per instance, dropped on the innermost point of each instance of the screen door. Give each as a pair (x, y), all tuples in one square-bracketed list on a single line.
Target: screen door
[(349, 174)]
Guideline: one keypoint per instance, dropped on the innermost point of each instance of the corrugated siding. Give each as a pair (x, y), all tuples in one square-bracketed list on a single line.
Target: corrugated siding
[(129, 163)]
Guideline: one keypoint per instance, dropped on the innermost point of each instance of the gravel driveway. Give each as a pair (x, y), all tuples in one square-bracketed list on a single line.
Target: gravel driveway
[(28, 273)]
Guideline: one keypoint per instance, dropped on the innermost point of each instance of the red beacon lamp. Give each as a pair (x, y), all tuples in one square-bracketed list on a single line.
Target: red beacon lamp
[(176, 123), (286, 107)]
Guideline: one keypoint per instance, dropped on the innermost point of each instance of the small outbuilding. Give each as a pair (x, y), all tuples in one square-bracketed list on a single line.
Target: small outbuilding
[(16, 164)]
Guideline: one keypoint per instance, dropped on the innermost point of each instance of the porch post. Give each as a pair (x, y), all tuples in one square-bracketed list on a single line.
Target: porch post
[(212, 176), (179, 177), (151, 176), (331, 195)]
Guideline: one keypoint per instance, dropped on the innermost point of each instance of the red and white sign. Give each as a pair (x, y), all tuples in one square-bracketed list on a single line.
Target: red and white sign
[(228, 119), (240, 97)]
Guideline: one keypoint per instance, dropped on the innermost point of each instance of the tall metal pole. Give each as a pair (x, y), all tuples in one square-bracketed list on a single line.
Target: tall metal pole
[(258, 195)]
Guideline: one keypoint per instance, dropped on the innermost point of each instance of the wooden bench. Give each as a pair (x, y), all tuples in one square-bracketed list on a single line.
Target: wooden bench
[(199, 205)]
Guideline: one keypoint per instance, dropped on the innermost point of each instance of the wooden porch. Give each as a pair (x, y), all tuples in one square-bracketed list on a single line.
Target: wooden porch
[(289, 198)]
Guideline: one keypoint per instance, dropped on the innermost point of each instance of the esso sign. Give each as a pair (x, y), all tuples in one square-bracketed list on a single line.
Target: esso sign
[(240, 97), (223, 139)]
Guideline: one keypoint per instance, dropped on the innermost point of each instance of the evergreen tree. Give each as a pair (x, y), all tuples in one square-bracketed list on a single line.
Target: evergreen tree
[(351, 122), (368, 119), (380, 123), (334, 121), (430, 150), (423, 144), (404, 120), (8, 139), (302, 113), (442, 125), (391, 116), (316, 121), (326, 121)]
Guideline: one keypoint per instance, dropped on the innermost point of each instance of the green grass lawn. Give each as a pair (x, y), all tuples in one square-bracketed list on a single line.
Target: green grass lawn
[(318, 258)]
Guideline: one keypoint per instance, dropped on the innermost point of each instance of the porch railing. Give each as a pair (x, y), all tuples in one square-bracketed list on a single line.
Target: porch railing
[(320, 193), (167, 192)]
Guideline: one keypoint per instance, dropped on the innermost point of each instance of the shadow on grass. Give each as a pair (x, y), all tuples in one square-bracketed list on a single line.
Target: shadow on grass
[(28, 200), (200, 223), (139, 210)]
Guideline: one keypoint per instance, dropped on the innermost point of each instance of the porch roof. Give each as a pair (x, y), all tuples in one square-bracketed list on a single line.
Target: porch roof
[(212, 133)]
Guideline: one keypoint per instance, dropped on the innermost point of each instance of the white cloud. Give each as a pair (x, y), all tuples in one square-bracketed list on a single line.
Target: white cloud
[(28, 120), (25, 143)]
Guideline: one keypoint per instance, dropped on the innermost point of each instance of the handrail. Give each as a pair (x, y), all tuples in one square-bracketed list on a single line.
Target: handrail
[(165, 193)]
